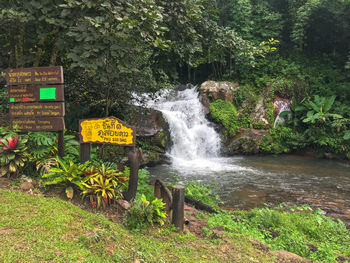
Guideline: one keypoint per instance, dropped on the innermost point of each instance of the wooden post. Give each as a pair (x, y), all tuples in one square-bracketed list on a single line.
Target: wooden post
[(157, 190), (178, 218), (163, 192), (61, 144), (84, 152), (134, 157)]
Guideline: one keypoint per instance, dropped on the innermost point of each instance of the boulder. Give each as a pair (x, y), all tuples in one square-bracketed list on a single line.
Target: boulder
[(247, 141), (152, 133), (213, 90), (259, 113), (148, 122)]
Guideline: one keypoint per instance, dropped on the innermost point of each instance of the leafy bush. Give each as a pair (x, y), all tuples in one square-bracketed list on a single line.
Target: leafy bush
[(102, 184), (12, 155), (282, 140), (144, 213), (67, 174), (44, 146)]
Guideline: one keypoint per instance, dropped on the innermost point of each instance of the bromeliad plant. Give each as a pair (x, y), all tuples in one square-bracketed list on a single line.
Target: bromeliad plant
[(66, 173), (12, 155), (144, 213), (102, 184)]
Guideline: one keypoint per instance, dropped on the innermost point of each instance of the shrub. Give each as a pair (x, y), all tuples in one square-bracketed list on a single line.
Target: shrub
[(12, 155), (102, 184), (144, 213), (67, 174)]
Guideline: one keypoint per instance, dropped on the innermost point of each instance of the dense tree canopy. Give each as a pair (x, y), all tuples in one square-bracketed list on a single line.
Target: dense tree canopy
[(111, 49)]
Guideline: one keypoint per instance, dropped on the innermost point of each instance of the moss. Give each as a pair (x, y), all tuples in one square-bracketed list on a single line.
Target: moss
[(270, 117), (225, 113), (259, 125), (163, 138)]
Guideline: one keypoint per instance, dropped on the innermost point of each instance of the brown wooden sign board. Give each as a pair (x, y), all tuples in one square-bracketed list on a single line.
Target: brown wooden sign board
[(35, 93), (109, 130), (38, 75), (34, 110), (39, 124)]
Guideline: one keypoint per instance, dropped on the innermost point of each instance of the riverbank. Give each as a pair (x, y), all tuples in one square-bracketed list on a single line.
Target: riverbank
[(224, 233), (246, 182), (35, 228)]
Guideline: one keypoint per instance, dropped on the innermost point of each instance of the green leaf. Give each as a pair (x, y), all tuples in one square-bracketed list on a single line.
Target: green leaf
[(69, 192), (328, 103), (346, 135)]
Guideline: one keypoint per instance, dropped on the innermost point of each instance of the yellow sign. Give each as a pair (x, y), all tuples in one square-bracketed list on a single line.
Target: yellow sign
[(106, 130)]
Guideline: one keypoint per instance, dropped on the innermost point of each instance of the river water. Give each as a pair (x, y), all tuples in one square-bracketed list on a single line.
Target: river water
[(246, 181)]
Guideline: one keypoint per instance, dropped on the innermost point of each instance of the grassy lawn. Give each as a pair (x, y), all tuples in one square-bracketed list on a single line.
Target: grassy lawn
[(39, 229)]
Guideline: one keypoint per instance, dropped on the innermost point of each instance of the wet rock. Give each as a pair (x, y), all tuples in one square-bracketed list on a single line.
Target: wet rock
[(247, 141), (213, 90), (152, 134), (259, 113), (148, 122), (183, 87), (152, 158), (280, 105)]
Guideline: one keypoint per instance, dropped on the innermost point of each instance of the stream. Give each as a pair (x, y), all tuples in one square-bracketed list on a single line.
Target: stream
[(246, 181)]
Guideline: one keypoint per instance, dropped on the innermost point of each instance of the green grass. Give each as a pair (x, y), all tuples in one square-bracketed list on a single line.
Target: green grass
[(292, 231), (39, 229)]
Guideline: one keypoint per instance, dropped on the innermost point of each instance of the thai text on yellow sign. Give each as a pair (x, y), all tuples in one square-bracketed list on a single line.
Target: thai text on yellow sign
[(106, 130)]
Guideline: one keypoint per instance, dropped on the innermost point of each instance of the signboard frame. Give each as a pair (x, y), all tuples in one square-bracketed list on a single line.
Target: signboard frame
[(57, 123), (35, 75), (31, 93), (36, 84), (37, 110), (133, 134)]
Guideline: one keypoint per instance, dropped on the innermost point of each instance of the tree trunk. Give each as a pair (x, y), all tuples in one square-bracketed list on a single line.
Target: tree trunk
[(39, 52), (19, 46)]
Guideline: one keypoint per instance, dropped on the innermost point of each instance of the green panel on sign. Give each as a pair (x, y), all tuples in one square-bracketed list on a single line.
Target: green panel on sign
[(12, 99), (48, 93)]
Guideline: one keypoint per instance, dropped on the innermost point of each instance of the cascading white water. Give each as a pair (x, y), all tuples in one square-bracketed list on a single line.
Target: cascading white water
[(196, 145), (284, 106), (193, 136)]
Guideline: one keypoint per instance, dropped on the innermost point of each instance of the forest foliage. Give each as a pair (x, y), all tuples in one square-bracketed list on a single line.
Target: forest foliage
[(111, 50)]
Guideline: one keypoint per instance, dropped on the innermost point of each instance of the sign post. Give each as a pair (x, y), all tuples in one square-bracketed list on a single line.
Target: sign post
[(111, 130), (36, 97)]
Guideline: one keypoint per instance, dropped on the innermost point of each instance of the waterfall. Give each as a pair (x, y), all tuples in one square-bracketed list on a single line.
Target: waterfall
[(282, 105), (194, 138), (192, 134), (196, 144)]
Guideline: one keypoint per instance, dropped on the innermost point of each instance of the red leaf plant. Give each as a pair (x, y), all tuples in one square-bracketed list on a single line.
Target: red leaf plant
[(11, 143)]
